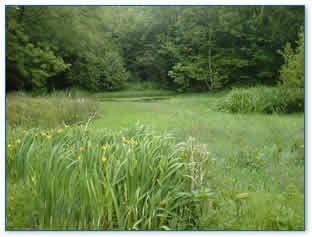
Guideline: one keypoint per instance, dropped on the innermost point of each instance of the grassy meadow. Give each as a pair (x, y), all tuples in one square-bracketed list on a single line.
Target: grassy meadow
[(150, 160)]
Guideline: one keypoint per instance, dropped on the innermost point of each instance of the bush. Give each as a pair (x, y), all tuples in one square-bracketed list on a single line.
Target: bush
[(292, 71), (257, 99), (295, 99), (292, 75)]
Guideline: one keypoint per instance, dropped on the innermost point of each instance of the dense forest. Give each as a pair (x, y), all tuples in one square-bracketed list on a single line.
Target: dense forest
[(184, 48)]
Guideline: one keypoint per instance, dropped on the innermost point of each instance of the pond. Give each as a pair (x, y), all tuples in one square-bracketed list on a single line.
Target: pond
[(136, 99)]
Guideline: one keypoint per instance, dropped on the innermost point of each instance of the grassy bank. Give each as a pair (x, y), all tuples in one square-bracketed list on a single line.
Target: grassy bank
[(195, 168)]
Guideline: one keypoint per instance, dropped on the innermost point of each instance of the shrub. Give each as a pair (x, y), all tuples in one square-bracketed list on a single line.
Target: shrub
[(292, 75), (295, 99), (292, 71), (257, 99)]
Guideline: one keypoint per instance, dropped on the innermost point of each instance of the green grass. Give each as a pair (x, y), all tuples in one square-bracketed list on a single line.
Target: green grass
[(224, 171), (193, 115)]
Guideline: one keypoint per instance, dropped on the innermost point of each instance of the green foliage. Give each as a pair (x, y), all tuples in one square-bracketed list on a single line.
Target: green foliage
[(36, 56), (258, 99), (33, 64), (292, 71), (181, 48), (105, 73), (292, 74), (230, 50), (191, 74)]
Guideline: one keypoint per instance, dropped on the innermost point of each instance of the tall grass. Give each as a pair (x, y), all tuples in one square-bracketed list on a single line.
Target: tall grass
[(134, 179), (111, 180), (257, 99), (49, 111)]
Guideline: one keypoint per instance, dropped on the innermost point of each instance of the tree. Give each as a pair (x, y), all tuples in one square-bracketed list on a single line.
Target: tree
[(29, 64), (292, 71)]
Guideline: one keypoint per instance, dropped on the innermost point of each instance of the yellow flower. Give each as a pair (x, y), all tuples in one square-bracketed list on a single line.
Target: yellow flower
[(81, 148), (103, 148), (49, 137), (59, 131), (79, 157), (125, 140), (18, 141), (10, 146), (136, 143), (104, 159), (43, 134)]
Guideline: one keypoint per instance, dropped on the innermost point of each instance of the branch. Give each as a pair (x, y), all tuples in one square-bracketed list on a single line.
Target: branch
[(90, 118)]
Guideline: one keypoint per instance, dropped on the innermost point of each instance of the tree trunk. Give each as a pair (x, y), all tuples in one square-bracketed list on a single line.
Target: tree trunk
[(209, 62)]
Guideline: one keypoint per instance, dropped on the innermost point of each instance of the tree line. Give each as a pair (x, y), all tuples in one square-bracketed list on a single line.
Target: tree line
[(178, 47)]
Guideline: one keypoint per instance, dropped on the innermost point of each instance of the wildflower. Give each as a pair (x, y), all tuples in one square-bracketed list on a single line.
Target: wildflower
[(49, 137), (104, 159), (81, 149), (136, 143), (18, 141), (103, 148), (79, 157), (10, 146), (44, 134), (125, 141), (59, 131)]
